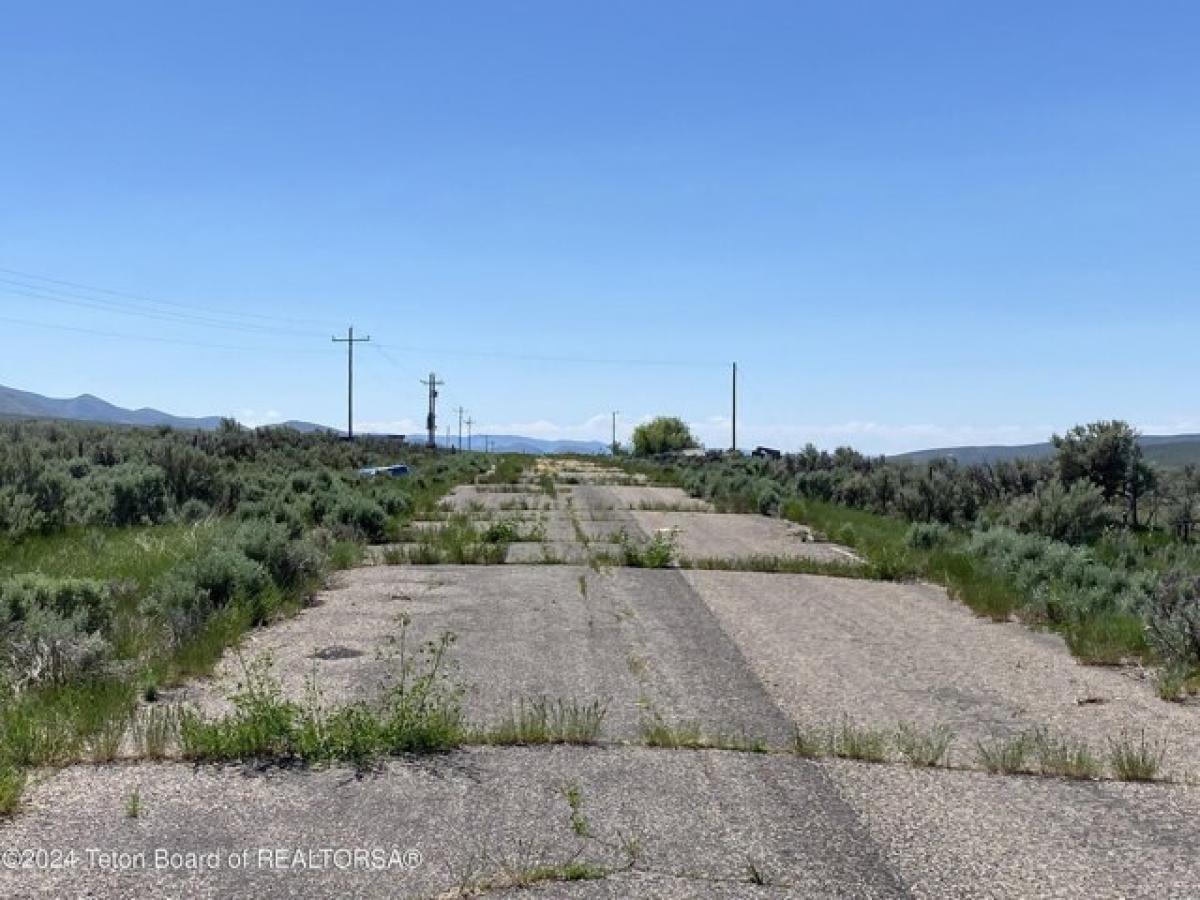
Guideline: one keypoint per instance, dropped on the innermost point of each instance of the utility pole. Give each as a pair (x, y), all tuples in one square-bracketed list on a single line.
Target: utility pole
[(470, 422), (460, 415), (734, 420), (431, 421), (350, 340), (614, 431)]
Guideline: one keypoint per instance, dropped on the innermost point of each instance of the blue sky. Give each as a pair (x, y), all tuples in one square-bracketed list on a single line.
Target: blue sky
[(911, 223)]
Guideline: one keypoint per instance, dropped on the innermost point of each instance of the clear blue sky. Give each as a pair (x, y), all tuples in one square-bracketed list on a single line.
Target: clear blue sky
[(911, 223)]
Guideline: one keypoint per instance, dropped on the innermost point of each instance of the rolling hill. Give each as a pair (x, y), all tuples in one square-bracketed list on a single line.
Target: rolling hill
[(1168, 450), (89, 408)]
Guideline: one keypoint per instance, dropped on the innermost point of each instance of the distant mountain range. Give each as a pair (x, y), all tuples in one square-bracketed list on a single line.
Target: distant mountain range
[(1164, 449), (89, 408)]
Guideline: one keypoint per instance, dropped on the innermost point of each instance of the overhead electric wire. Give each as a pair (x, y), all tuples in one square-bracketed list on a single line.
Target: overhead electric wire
[(324, 323), (37, 293), (533, 357), (157, 340), (205, 318)]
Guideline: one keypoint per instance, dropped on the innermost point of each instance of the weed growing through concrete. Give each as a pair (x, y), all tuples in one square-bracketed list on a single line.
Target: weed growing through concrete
[(810, 742), (133, 804), (1064, 756), (540, 720), (1004, 756), (659, 553), (851, 741), (1135, 760), (155, 731), (658, 732), (790, 565), (574, 797), (924, 748), (420, 711)]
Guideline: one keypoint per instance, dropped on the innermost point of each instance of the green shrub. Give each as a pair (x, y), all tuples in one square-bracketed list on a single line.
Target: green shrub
[(1076, 514), (193, 511), (360, 516), (139, 495), (52, 629), (927, 535), (1173, 618)]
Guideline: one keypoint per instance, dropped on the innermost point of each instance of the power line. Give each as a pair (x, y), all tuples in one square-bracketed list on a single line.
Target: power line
[(490, 354), (156, 340), (144, 299), (38, 293)]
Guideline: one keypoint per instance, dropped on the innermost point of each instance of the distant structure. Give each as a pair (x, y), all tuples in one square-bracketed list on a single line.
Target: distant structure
[(766, 453)]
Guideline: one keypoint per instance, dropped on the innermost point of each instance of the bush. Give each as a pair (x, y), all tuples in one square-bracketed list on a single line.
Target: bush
[(1173, 618), (289, 562), (927, 535), (361, 516), (139, 495), (194, 511), (51, 628), (1077, 514)]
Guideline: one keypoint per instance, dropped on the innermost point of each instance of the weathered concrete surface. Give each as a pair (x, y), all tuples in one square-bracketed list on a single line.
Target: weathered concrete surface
[(671, 824), (881, 653), (641, 641), (663, 824), (730, 536)]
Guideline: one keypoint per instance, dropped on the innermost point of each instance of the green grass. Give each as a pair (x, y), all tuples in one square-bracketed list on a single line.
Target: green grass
[(507, 470), (418, 712), (574, 797), (851, 741), (540, 720), (924, 748), (1135, 760), (659, 553), (60, 724), (658, 732), (133, 804), (792, 565), (1064, 756), (576, 870), (1107, 639), (140, 555), (12, 786), (1004, 756)]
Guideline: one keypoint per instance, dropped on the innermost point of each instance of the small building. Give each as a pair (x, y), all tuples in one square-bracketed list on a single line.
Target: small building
[(766, 453)]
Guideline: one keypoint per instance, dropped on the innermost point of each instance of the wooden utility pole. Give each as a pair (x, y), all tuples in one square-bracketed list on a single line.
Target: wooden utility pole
[(470, 422), (350, 340), (614, 431), (734, 419)]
